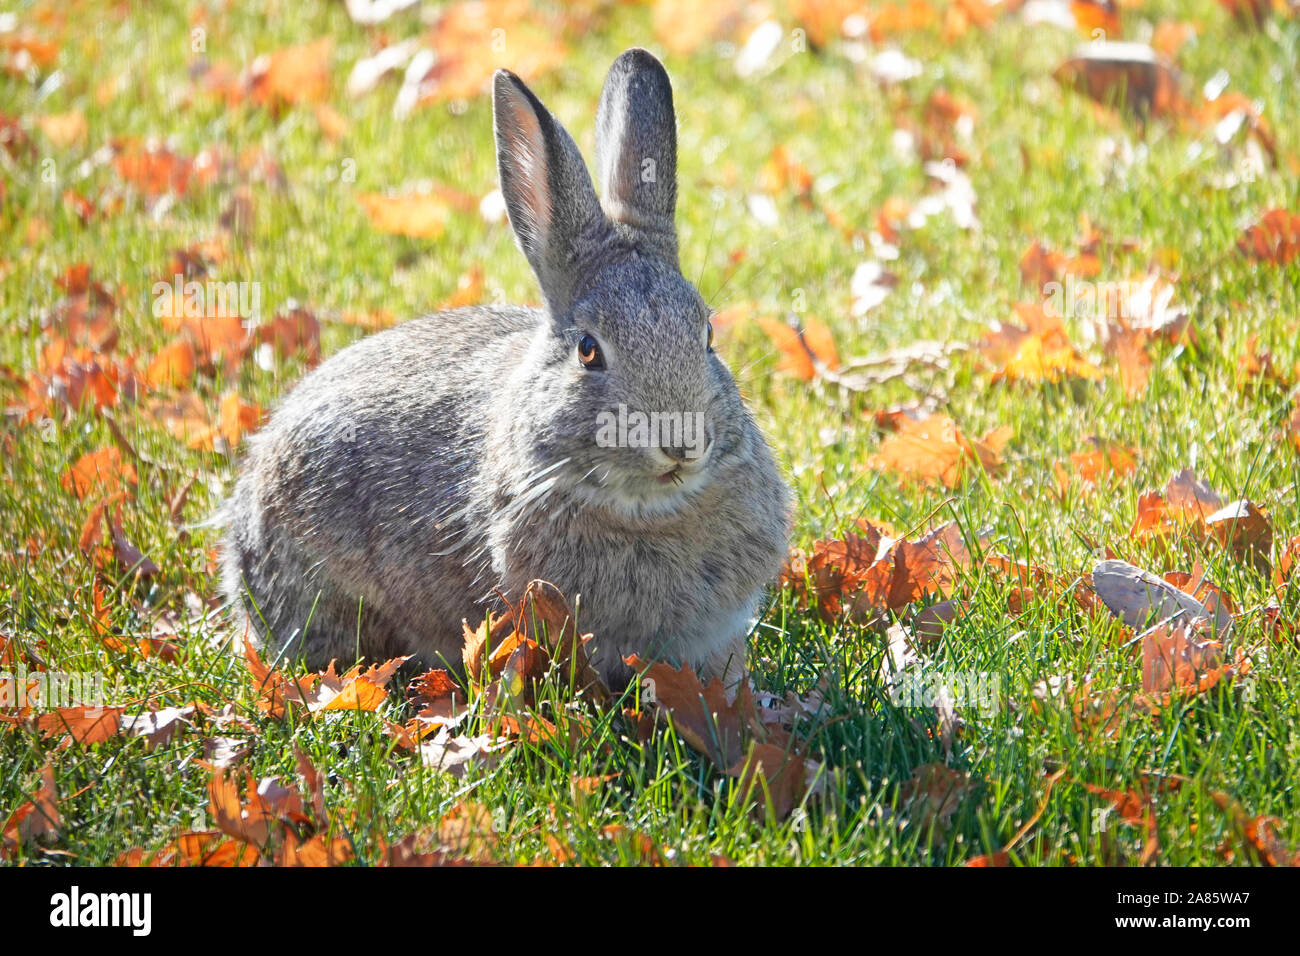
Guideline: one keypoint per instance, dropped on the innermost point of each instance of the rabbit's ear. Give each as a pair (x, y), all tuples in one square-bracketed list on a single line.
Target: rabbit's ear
[(636, 152), (548, 193)]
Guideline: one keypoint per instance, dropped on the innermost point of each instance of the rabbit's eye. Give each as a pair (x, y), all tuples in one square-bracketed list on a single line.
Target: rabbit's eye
[(589, 352), (710, 345)]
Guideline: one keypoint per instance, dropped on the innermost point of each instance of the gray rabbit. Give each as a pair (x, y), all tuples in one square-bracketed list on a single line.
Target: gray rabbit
[(413, 476)]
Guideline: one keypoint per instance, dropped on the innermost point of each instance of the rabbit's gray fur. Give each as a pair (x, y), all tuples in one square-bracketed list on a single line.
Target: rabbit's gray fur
[(414, 475)]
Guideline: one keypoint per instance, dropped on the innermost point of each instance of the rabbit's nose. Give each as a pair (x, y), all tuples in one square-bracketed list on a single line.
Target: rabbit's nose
[(679, 453)]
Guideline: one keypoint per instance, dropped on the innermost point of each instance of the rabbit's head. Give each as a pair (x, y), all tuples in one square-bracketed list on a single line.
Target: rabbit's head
[(628, 403)]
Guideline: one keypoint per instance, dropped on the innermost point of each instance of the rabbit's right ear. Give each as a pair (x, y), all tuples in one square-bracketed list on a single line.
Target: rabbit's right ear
[(548, 193)]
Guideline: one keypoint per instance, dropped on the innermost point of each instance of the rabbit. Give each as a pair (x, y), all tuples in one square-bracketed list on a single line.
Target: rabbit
[(422, 475)]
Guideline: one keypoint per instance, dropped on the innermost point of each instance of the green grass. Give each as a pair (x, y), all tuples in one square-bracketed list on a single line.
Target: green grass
[(1037, 163)]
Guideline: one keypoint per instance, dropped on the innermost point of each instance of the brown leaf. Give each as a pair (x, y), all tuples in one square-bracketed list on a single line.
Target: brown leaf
[(803, 350), (224, 753), (157, 727), (419, 215), (172, 367), (1245, 532), (34, 820), (772, 777), (81, 725), (1182, 658), (1139, 597), (933, 451), (1127, 74), (455, 754), (299, 74), (932, 795), (1257, 836), (99, 470), (701, 714)]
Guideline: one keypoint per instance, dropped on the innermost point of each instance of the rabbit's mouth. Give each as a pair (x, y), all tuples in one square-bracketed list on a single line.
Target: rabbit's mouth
[(673, 477)]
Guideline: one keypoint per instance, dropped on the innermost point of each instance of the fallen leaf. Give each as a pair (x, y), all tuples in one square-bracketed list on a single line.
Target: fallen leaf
[(34, 820), (803, 350), (99, 471), (934, 451), (1274, 238), (299, 74), (1139, 597), (1128, 74)]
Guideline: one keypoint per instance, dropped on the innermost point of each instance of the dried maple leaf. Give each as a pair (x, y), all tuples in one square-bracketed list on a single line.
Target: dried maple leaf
[(419, 216), (157, 727), (866, 575), (932, 795), (1105, 461), (235, 418), (172, 367), (773, 777), (37, 818), (1257, 836), (1244, 531), (103, 470), (683, 27), (299, 74), (1181, 659), (203, 848), (185, 418), (933, 451), (703, 715), (1273, 238), (1038, 351), (1176, 656), (294, 331), (1040, 265), (1137, 809), (1128, 74), (469, 43), (269, 811), (455, 753), (1190, 506), (81, 725), (540, 630), (436, 694), (155, 170), (1096, 17), (355, 690), (317, 851), (803, 351)]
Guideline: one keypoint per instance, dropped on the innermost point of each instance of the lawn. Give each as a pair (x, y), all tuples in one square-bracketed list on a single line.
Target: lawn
[(876, 207)]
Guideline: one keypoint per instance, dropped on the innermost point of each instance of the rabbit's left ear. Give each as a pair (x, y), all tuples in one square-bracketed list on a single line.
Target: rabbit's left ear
[(636, 153)]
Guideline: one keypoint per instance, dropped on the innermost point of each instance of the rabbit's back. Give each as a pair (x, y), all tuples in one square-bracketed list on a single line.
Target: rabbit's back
[(350, 516)]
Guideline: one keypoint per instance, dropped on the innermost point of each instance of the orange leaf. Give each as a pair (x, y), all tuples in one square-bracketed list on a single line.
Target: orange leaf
[(299, 74), (172, 367), (418, 216), (1274, 238), (99, 469), (801, 350)]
